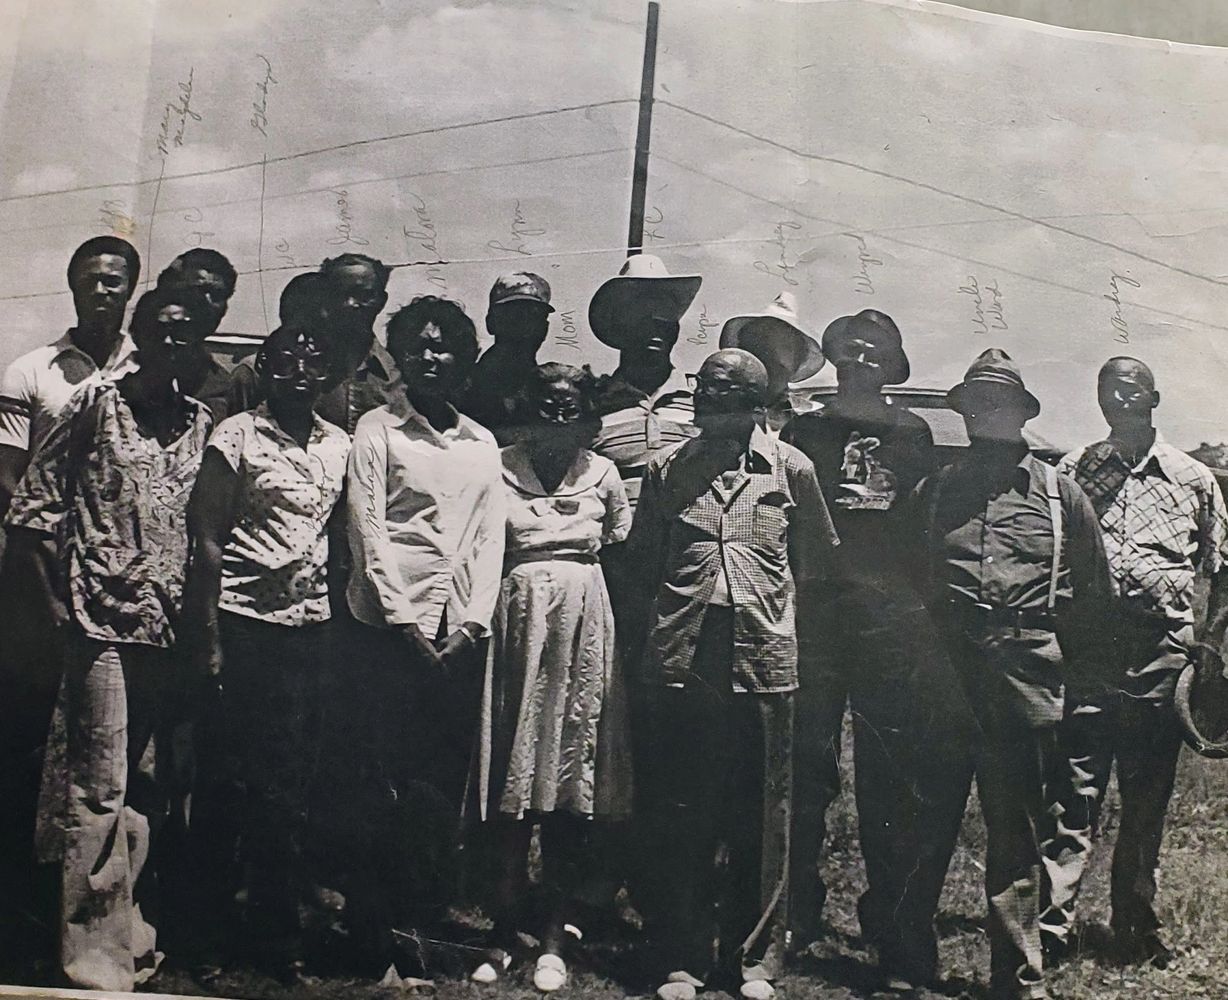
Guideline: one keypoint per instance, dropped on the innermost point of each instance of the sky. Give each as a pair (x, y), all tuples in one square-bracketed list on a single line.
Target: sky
[(986, 181)]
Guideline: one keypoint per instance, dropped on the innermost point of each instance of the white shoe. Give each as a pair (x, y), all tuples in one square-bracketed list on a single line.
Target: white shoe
[(675, 990), (489, 972), (757, 989), (550, 974)]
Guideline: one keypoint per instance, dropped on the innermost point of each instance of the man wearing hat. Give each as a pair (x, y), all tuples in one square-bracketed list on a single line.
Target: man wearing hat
[(788, 353), (518, 317), (1015, 574), (731, 537), (879, 651), (1163, 519)]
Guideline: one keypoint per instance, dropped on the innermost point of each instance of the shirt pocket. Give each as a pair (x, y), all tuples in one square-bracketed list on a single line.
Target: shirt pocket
[(1028, 535), (770, 521)]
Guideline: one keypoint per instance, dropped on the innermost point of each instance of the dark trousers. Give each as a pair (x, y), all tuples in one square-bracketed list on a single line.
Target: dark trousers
[(1143, 737), (875, 648), (719, 793), (397, 748)]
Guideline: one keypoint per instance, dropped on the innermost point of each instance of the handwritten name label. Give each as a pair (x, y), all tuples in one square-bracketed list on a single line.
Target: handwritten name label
[(521, 228), (426, 236), (284, 255), (176, 115), (113, 218), (345, 222), (569, 337), (653, 219), (706, 323), (782, 267), (863, 284), (196, 237), (989, 315), (260, 106), (1121, 329)]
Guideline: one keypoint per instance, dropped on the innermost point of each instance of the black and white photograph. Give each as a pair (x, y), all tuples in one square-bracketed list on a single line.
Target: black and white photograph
[(642, 499)]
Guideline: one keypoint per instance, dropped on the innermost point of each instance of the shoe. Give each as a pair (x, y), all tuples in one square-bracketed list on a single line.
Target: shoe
[(1144, 949), (489, 971), (550, 974), (756, 983), (675, 990)]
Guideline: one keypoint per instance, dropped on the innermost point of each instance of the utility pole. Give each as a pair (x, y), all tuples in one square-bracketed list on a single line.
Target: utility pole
[(639, 178)]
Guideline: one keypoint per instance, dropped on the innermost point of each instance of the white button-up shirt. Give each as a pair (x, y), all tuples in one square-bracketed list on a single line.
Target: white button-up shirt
[(38, 385), (426, 522)]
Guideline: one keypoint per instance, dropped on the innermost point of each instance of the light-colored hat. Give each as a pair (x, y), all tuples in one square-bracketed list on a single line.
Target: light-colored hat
[(780, 317), (994, 367), (520, 286), (643, 287)]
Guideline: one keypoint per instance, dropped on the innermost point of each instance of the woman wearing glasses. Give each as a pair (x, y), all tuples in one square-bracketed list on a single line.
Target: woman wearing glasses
[(257, 608)]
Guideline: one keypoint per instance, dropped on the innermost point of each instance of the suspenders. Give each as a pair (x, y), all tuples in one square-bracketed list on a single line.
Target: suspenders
[(1055, 524)]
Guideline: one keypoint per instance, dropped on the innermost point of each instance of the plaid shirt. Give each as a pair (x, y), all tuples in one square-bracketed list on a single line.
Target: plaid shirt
[(1162, 520), (766, 527)]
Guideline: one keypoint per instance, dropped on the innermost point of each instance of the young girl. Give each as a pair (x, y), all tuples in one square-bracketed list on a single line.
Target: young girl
[(554, 726)]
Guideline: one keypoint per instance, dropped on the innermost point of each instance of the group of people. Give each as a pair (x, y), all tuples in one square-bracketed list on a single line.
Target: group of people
[(290, 633)]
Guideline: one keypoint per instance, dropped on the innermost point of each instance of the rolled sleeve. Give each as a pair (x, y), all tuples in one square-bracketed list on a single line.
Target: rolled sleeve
[(16, 408)]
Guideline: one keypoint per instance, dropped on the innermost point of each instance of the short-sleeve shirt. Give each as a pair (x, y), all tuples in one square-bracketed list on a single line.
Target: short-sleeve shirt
[(589, 509), (1163, 519), (868, 469), (275, 565), (116, 499), (38, 385)]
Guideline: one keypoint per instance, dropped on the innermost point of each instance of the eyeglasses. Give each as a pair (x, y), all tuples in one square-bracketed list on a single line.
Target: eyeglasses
[(287, 364), (702, 386)]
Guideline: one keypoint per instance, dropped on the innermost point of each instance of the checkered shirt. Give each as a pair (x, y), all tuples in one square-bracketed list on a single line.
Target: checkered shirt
[(1162, 520), (766, 527)]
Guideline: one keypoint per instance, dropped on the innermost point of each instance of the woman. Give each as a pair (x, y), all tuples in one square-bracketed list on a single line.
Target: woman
[(257, 604), (554, 726), (110, 485)]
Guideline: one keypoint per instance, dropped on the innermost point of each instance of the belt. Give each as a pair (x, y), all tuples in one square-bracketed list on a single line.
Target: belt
[(989, 616), (525, 556)]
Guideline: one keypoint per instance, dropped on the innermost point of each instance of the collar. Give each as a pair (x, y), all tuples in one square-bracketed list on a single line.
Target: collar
[(1158, 457), (615, 390), (759, 454), (518, 471), (378, 364), (265, 421), (1022, 475), (121, 361), (405, 413)]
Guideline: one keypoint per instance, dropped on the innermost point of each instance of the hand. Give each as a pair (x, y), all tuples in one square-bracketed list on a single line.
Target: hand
[(424, 648), (458, 643)]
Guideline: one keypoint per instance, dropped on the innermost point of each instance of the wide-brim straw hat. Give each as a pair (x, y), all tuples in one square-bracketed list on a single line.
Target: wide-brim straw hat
[(1201, 701), (780, 317), (642, 288), (886, 334), (994, 367)]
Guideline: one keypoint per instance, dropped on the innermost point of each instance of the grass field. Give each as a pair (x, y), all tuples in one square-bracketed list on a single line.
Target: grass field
[(1193, 905)]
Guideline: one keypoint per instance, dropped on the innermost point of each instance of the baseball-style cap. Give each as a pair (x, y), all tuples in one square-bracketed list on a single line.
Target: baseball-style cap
[(520, 286)]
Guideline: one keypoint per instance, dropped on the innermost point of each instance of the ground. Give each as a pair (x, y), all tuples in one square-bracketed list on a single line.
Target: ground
[(1193, 902)]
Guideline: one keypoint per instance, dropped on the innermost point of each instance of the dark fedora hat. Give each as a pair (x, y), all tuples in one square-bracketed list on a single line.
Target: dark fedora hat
[(882, 329), (994, 367)]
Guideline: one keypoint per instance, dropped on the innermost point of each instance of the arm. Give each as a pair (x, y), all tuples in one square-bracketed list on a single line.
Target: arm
[(1091, 583), (15, 409), (486, 562), (13, 462), (367, 507), (1213, 560), (617, 523), (211, 518)]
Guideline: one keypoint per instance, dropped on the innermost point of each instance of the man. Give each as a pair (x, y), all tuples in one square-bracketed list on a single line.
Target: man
[(643, 407), (363, 373), (1164, 521), (426, 529), (209, 272), (731, 536), (1015, 574), (102, 274), (776, 338), (110, 488), (881, 653), (518, 317)]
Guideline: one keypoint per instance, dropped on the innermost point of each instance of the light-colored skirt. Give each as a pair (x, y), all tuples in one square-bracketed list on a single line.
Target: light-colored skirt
[(555, 729)]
